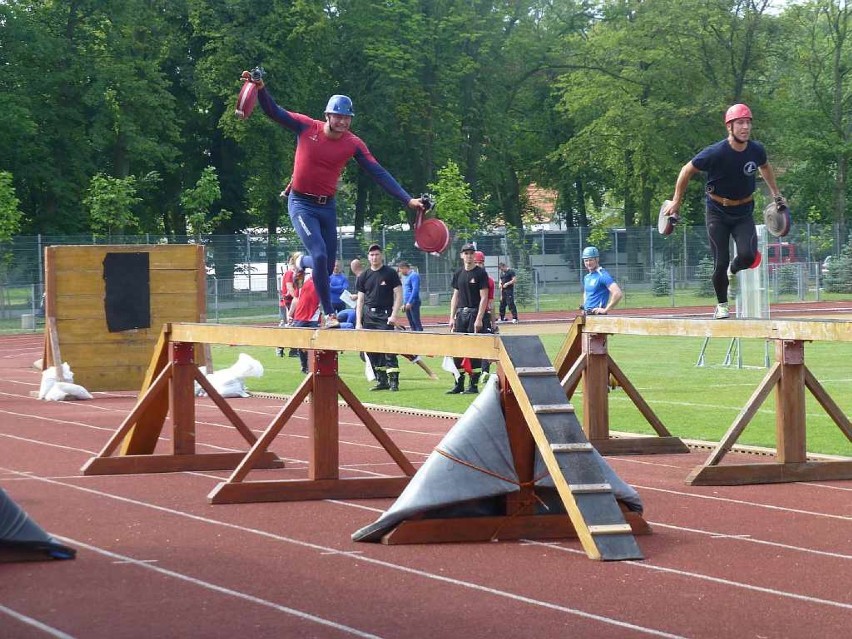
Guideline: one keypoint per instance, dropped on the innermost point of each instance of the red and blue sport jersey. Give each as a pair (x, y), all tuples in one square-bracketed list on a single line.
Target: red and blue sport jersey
[(320, 160)]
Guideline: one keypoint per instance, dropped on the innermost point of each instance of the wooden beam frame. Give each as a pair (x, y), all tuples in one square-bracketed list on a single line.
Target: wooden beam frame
[(583, 357), (789, 377), (323, 384)]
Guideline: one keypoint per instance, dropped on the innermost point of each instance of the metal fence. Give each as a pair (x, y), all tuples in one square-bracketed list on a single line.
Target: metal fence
[(244, 269)]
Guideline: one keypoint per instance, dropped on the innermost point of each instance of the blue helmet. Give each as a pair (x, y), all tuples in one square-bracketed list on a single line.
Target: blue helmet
[(590, 252), (340, 105)]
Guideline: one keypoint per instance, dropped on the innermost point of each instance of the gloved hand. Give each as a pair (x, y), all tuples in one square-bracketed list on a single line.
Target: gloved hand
[(780, 201), (256, 76)]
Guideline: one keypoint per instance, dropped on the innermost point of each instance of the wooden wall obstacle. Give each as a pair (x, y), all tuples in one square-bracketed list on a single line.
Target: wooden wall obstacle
[(90, 292)]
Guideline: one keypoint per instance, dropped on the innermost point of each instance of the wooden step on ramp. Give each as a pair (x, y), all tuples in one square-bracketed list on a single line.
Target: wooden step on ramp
[(578, 475)]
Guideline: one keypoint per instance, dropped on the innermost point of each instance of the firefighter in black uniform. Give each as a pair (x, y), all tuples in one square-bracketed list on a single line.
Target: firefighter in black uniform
[(379, 300), (467, 312)]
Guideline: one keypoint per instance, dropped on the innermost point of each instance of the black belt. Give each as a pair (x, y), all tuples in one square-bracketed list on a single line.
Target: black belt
[(317, 199)]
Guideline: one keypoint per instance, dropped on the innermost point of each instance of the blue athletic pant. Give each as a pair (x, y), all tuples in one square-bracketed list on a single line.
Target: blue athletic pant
[(316, 226)]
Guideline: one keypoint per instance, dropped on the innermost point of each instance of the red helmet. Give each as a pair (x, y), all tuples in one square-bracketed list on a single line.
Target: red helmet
[(479, 256), (736, 112)]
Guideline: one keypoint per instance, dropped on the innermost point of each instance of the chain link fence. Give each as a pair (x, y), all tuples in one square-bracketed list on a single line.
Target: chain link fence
[(244, 270)]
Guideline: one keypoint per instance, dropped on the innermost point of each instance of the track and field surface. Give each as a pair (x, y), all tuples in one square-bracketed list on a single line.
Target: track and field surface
[(156, 560)]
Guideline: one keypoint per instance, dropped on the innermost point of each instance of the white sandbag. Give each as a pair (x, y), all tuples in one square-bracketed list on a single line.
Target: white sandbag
[(245, 366), (64, 391), (48, 378), (227, 385)]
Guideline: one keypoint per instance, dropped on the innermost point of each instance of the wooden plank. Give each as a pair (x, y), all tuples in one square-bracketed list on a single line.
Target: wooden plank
[(595, 387), (541, 409), (790, 418), (579, 447), (611, 529), (530, 371), (650, 445), (742, 474), (305, 490), (178, 307), (807, 330), (590, 488), (423, 343), (136, 464), (55, 353), (73, 284), (161, 256)]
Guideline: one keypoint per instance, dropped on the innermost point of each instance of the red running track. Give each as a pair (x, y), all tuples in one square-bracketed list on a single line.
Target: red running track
[(156, 560)]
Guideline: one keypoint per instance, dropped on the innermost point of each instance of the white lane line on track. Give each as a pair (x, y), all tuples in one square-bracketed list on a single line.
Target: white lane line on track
[(35, 623), (124, 559), (718, 580), (43, 443), (751, 539), (360, 558), (743, 502)]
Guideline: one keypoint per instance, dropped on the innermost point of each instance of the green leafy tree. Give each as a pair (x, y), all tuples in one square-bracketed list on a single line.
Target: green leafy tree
[(839, 276), (661, 284), (704, 275), (110, 203), (10, 214), (453, 200), (197, 203)]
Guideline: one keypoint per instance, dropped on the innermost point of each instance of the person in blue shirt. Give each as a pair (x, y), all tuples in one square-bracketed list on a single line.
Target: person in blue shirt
[(731, 166), (411, 295), (338, 282), (600, 292)]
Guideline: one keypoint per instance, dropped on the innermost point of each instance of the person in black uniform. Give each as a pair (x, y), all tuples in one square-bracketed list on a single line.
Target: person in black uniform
[(379, 300), (507, 293), (467, 312)]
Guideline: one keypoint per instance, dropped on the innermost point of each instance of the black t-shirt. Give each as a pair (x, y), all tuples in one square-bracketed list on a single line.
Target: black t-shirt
[(377, 286), (507, 276), (730, 173), (469, 285)]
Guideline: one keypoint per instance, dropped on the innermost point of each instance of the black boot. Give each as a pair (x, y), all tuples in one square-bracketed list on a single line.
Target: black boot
[(381, 381), (459, 387), (393, 381), (473, 387)]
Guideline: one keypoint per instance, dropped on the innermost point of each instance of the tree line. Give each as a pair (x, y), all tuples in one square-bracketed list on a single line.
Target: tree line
[(117, 116)]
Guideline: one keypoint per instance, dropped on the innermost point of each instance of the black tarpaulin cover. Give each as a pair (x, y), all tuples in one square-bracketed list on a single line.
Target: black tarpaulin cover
[(450, 482), (21, 539)]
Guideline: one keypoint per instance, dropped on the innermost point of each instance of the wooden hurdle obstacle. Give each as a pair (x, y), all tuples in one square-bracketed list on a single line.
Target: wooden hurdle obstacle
[(789, 377), (583, 356), (537, 409)]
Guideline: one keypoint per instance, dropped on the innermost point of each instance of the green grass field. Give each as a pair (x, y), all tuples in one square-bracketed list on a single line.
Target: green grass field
[(693, 402)]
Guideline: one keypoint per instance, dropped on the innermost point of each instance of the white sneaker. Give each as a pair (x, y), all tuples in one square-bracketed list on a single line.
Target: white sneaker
[(721, 312), (331, 321), (514, 321)]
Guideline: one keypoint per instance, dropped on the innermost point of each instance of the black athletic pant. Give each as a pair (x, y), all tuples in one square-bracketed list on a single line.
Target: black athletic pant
[(508, 299), (724, 222), (377, 319), (464, 323)]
